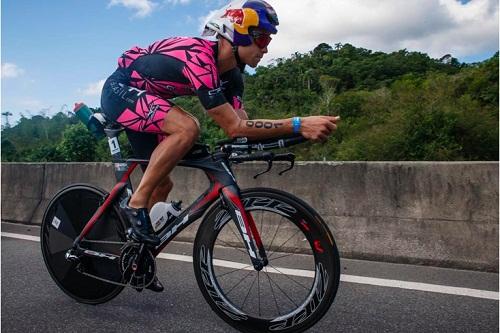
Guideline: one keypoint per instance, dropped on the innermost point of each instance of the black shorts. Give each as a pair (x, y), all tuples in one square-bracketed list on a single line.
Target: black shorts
[(141, 113)]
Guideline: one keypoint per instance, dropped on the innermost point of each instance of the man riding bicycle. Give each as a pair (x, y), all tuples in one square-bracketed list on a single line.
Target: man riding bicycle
[(138, 96)]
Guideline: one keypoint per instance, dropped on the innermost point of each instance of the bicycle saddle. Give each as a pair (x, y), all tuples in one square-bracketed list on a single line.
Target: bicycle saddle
[(111, 128)]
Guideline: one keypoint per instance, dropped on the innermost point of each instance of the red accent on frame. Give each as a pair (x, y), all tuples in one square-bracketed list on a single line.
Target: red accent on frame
[(317, 246), (247, 218), (253, 228), (129, 171), (210, 197), (114, 192)]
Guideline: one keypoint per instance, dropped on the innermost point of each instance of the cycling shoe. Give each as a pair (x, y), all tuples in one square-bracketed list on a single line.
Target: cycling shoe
[(155, 285), (142, 230)]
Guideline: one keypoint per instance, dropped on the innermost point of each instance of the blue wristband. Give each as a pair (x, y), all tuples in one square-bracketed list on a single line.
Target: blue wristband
[(296, 125)]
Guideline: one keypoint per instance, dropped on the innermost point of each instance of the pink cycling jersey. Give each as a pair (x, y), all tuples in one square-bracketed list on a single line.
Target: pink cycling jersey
[(176, 67), (138, 95)]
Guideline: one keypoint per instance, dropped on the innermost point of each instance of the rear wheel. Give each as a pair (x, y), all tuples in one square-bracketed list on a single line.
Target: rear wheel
[(63, 221), (298, 285)]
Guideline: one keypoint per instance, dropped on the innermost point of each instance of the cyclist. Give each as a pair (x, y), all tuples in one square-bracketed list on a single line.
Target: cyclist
[(138, 96)]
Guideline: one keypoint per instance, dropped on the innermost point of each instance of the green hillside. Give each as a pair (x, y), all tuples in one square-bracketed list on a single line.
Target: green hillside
[(394, 106)]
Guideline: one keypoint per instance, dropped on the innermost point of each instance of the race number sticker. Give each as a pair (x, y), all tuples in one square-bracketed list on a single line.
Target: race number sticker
[(113, 145), (56, 222)]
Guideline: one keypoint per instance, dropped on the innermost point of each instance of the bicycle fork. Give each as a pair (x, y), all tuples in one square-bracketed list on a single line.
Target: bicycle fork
[(246, 226)]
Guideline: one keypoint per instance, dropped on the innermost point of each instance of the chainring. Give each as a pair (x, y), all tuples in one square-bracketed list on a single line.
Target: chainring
[(138, 273)]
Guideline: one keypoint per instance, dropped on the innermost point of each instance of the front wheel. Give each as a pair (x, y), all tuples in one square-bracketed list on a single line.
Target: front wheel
[(298, 285)]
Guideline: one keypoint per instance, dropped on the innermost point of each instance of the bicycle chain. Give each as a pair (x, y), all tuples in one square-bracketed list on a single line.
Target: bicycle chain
[(103, 279), (113, 282)]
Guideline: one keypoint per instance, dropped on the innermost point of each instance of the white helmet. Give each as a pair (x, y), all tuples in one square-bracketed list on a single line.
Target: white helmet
[(236, 21)]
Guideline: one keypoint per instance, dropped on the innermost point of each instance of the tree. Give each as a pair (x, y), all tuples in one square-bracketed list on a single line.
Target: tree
[(322, 49), (402, 105), (9, 152), (329, 87), (7, 114), (78, 144)]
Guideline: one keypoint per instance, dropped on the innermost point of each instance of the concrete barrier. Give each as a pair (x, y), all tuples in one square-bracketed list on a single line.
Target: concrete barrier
[(22, 189), (437, 213)]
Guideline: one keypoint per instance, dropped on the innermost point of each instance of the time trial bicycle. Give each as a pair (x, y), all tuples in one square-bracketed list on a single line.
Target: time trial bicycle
[(264, 260)]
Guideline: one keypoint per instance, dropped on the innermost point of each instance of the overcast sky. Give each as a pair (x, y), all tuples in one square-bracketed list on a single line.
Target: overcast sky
[(57, 52)]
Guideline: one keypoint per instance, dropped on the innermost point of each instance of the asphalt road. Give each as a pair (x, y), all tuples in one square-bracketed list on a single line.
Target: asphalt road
[(31, 301)]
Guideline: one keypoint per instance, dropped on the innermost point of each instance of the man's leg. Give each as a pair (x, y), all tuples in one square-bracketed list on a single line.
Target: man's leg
[(143, 145), (160, 193), (183, 131)]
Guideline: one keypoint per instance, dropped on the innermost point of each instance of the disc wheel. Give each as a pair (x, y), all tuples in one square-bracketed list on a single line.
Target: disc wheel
[(64, 219)]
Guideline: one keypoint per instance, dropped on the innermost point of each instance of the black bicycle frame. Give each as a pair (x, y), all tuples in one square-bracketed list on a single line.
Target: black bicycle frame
[(222, 185)]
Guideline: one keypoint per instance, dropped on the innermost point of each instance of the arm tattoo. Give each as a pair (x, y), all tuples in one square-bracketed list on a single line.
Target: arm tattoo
[(263, 124)]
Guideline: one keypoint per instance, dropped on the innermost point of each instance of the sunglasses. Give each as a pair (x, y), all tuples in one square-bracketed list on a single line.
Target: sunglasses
[(261, 39)]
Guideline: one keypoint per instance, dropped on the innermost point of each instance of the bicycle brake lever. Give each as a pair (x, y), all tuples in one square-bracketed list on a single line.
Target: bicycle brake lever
[(291, 159), (287, 169), (269, 166)]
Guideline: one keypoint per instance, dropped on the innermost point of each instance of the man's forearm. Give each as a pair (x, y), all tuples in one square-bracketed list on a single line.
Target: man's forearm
[(260, 128), (234, 126), (263, 128)]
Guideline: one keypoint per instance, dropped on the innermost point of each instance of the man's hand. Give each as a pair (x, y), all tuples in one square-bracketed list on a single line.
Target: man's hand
[(318, 128)]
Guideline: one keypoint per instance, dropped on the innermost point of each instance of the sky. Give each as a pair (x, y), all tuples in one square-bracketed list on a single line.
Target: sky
[(58, 52)]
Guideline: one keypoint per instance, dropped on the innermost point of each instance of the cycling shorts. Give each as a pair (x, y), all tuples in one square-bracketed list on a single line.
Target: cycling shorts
[(141, 113)]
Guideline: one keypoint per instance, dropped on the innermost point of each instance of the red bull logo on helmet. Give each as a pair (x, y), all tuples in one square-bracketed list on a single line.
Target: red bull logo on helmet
[(235, 15)]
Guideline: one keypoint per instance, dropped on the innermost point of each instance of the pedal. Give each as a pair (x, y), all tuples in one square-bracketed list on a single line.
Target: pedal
[(132, 239)]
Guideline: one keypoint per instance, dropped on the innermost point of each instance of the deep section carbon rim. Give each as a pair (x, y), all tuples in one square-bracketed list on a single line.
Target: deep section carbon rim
[(297, 286)]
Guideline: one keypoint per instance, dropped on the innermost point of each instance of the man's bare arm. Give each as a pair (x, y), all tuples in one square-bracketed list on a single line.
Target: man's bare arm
[(241, 113), (316, 128)]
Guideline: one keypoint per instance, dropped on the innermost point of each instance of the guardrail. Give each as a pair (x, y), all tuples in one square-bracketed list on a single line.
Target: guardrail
[(436, 213)]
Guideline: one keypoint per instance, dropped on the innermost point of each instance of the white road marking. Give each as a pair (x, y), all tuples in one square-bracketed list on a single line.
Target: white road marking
[(20, 236), (435, 288)]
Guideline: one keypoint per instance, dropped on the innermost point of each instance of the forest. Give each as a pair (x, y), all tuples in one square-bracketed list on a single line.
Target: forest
[(399, 106)]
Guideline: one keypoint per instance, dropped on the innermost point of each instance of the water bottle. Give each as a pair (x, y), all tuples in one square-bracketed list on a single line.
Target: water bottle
[(162, 213), (93, 121)]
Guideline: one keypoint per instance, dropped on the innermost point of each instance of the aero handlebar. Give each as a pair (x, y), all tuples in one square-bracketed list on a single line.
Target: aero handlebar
[(246, 145), (243, 150)]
